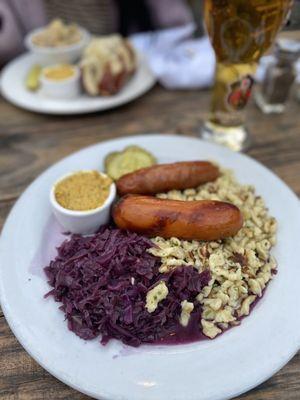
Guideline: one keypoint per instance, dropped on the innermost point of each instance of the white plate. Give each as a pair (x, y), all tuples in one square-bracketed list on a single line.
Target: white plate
[(209, 370), (13, 89)]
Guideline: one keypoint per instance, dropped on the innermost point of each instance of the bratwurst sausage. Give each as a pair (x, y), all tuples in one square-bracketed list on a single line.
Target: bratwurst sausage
[(165, 177), (199, 220)]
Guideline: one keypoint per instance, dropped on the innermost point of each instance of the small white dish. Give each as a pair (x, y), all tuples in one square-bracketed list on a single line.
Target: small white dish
[(12, 86), (61, 54), (68, 88), (82, 222)]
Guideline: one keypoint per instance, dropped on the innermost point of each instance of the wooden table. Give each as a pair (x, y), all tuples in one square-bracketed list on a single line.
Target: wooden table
[(29, 143)]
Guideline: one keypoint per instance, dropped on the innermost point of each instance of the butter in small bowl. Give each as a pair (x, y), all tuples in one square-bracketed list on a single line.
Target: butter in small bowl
[(60, 81), (81, 201)]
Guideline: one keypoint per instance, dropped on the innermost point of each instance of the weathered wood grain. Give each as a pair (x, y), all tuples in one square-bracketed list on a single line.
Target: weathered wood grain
[(29, 143), (5, 207)]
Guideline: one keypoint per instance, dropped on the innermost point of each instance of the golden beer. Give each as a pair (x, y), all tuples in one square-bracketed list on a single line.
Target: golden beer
[(241, 31)]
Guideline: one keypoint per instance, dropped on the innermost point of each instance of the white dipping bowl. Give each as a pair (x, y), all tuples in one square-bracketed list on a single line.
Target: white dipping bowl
[(82, 222), (61, 54), (68, 88)]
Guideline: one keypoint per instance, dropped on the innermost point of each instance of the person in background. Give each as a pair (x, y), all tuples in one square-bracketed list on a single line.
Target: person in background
[(17, 17), (100, 17)]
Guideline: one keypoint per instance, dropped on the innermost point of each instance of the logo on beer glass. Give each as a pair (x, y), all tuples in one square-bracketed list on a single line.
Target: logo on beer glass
[(240, 92), (235, 35), (240, 39)]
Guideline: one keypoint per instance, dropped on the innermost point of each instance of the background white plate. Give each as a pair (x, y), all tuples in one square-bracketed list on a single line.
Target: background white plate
[(209, 370), (13, 89)]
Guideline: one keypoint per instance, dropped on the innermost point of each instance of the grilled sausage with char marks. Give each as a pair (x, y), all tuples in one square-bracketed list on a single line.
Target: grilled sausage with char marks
[(164, 177), (189, 220)]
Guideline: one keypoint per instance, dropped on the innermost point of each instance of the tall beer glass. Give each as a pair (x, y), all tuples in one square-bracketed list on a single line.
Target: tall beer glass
[(240, 31)]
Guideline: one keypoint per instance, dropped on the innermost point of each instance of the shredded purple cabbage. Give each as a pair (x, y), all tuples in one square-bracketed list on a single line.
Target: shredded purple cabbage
[(102, 282)]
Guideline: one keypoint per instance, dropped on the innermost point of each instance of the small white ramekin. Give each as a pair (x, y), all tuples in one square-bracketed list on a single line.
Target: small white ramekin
[(61, 54), (82, 222), (68, 88)]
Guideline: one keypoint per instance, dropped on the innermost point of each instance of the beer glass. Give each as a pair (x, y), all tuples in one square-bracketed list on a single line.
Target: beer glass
[(241, 31)]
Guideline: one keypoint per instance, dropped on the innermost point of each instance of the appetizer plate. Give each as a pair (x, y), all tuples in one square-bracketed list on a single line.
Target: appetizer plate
[(12, 85), (219, 369)]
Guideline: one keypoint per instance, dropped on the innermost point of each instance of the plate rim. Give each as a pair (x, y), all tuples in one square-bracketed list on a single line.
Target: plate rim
[(5, 306)]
